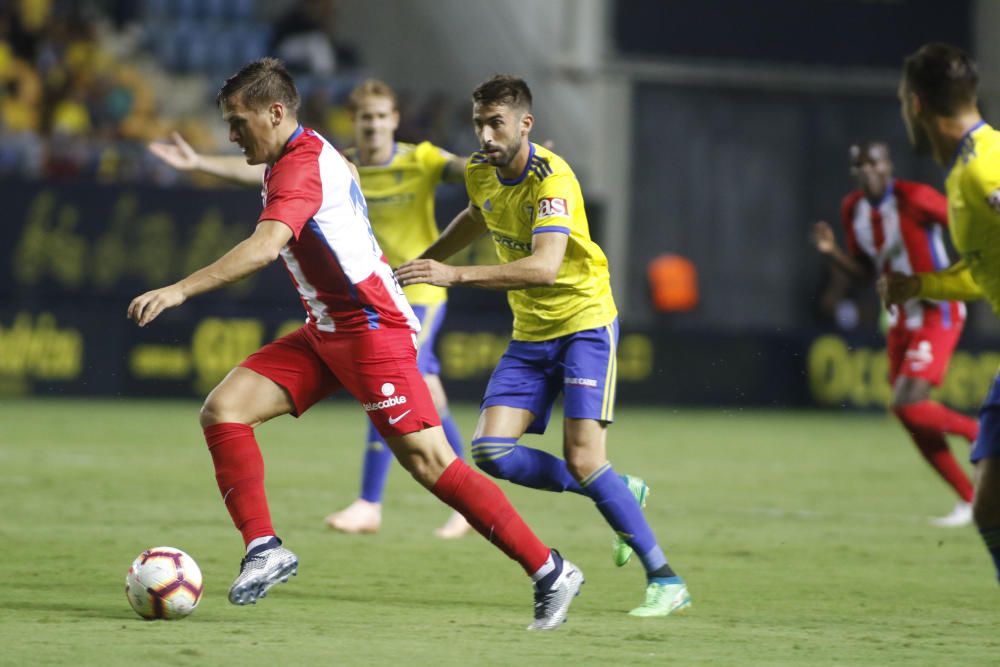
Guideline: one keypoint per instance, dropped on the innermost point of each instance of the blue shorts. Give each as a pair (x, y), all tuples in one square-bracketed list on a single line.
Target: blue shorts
[(582, 365), (430, 318), (987, 444)]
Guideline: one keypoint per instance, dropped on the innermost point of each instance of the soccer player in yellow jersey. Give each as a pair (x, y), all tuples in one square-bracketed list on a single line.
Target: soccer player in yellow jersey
[(398, 181), (938, 98), (565, 327)]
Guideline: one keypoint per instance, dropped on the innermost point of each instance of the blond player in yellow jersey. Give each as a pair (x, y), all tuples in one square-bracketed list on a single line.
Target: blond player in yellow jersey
[(565, 327), (398, 181), (938, 98)]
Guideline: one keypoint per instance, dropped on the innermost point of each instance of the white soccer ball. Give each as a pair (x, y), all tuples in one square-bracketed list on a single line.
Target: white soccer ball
[(164, 583)]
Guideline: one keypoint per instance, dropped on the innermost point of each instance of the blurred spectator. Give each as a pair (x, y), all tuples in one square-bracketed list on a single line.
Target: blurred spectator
[(302, 38), (77, 97)]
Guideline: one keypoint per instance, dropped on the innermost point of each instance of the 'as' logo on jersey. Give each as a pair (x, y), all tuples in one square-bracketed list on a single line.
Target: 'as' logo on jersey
[(994, 200), (552, 207)]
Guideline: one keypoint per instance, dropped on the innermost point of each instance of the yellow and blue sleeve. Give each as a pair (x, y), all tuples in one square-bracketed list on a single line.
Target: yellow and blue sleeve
[(554, 205), (432, 159), (952, 284)]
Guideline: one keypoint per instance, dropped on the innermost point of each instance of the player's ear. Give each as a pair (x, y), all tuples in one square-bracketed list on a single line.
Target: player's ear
[(277, 113), (527, 122)]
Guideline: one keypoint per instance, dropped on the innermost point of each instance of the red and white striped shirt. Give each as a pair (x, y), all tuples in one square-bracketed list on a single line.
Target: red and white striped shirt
[(343, 279), (903, 232)]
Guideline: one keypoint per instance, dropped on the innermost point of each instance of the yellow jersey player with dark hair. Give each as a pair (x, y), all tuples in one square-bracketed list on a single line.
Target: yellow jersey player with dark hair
[(939, 105), (565, 327)]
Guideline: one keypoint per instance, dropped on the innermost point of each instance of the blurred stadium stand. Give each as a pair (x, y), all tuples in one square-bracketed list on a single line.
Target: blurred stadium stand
[(715, 130)]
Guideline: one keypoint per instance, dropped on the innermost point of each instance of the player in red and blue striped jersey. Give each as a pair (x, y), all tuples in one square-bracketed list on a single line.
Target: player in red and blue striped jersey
[(896, 225), (359, 335)]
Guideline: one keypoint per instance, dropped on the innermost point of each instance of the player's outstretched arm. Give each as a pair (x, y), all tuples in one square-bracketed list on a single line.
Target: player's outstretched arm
[(454, 170), (181, 156), (826, 243), (248, 256), (952, 284), (539, 269)]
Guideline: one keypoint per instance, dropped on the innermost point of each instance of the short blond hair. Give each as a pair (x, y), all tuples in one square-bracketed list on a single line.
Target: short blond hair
[(371, 88)]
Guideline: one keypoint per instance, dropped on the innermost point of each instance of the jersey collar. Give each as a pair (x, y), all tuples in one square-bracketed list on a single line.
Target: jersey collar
[(295, 135), (963, 143), (885, 195), (527, 166)]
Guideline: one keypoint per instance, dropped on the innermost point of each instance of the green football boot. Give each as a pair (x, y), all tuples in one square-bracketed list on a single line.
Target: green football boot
[(621, 552), (664, 599)]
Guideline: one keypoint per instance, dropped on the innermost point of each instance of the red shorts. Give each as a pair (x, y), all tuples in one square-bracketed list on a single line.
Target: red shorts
[(378, 368), (923, 353)]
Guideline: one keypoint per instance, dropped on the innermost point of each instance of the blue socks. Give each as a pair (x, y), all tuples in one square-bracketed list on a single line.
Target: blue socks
[(991, 536), (618, 506), (374, 470), (505, 459), (451, 432), (378, 458)]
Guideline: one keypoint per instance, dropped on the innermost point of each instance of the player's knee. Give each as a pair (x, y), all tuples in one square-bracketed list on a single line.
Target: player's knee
[(208, 415), (424, 460), (581, 461), (581, 466), (216, 411)]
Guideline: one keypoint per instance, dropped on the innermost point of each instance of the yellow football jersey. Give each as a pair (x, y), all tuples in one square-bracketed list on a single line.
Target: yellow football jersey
[(545, 198), (400, 196), (973, 189)]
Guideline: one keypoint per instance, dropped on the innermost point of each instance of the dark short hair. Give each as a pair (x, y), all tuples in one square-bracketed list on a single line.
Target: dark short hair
[(865, 146), (503, 89), (259, 84), (943, 76)]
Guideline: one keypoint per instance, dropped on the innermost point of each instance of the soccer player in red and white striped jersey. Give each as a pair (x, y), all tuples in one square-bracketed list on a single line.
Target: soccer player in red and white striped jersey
[(359, 335), (892, 225)]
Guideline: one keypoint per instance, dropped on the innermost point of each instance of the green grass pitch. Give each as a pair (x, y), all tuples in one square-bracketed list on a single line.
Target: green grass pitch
[(803, 537)]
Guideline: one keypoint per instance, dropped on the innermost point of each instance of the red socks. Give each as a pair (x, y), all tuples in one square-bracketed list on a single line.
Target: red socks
[(487, 509), (934, 416), (927, 423), (239, 470)]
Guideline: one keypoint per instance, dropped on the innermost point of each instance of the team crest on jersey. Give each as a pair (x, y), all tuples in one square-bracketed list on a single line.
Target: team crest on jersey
[(994, 200), (552, 207), (487, 205)]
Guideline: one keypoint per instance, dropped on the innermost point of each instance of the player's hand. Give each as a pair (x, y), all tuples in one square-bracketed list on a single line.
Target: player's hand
[(176, 152), (426, 271), (146, 307), (823, 238), (896, 287)]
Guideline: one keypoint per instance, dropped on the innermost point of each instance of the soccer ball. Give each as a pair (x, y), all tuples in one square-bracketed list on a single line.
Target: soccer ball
[(164, 583)]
